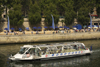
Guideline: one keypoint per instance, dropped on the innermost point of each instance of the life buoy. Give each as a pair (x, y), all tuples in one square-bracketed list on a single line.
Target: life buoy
[(86, 48), (28, 55)]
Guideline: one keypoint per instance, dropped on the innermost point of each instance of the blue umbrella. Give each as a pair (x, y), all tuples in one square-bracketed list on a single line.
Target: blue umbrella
[(6, 29), (20, 29), (34, 27), (65, 27), (56, 27), (12, 28), (39, 27), (27, 28), (45, 27), (74, 26), (60, 27)]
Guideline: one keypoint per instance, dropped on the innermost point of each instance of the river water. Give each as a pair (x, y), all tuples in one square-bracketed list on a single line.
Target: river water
[(83, 61)]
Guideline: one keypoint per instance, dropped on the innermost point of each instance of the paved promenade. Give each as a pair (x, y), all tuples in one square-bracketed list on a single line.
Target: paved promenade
[(41, 37)]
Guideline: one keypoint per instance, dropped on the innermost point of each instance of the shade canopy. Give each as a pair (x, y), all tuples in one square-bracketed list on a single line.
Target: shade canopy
[(34, 27), (56, 27), (60, 27), (5, 28), (12, 28), (20, 29), (78, 26), (66, 27), (27, 28), (39, 28), (45, 27)]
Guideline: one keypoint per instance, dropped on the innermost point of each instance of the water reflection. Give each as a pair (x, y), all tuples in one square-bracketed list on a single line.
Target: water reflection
[(55, 63)]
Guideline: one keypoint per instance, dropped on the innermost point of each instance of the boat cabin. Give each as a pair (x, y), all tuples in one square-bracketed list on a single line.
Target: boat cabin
[(39, 50)]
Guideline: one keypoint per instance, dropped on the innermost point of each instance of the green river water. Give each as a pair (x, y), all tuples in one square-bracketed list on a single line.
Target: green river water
[(83, 61)]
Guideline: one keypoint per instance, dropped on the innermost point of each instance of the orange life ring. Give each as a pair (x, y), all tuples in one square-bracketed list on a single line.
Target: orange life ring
[(28, 55), (86, 48)]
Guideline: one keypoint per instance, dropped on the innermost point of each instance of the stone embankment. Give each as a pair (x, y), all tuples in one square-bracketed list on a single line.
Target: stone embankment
[(5, 39)]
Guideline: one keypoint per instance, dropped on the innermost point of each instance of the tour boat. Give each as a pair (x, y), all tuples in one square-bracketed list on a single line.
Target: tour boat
[(51, 51)]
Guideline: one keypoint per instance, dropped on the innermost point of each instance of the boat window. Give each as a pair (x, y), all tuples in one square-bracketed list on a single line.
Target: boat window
[(59, 49), (31, 51), (52, 50), (22, 50), (43, 50), (65, 47), (38, 52)]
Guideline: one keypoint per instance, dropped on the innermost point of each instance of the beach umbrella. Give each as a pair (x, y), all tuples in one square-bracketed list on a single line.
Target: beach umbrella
[(56, 27), (39, 28), (12, 28), (20, 29), (67, 27), (34, 27), (64, 26), (5, 28), (27, 28), (78, 26), (60, 27), (45, 27)]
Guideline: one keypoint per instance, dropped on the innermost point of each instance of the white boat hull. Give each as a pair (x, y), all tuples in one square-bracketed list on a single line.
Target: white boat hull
[(56, 56)]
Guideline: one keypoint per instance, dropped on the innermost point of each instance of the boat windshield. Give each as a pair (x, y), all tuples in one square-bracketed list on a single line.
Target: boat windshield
[(22, 50)]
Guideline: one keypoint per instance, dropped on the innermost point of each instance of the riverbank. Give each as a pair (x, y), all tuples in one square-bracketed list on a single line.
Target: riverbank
[(26, 38)]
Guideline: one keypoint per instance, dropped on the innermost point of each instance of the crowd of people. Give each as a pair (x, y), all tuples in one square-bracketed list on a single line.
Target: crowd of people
[(51, 31)]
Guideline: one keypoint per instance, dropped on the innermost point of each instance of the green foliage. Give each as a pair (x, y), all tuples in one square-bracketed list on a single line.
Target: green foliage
[(83, 8), (67, 10), (1, 9), (15, 15), (34, 13), (98, 7), (70, 9), (49, 8)]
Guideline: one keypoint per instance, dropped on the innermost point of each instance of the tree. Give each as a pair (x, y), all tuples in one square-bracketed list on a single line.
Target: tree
[(15, 15), (48, 8), (98, 7), (83, 7), (66, 9), (1, 11), (25, 7), (34, 13)]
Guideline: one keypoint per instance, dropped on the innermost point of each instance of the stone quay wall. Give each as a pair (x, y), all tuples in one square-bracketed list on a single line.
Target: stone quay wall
[(5, 39)]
